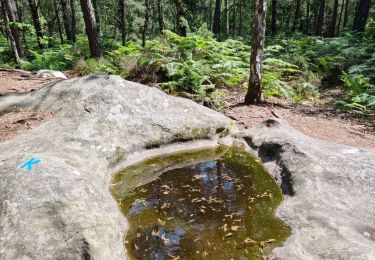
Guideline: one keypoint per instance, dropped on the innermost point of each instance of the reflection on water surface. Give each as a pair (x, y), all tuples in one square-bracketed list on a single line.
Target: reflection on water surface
[(213, 204)]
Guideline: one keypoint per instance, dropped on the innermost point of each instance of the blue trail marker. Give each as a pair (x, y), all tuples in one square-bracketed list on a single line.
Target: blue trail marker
[(30, 163)]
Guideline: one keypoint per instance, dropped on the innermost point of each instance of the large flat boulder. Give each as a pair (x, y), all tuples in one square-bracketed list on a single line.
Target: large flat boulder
[(61, 208), (330, 193)]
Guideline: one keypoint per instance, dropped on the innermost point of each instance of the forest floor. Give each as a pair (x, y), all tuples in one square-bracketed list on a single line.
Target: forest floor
[(321, 120)]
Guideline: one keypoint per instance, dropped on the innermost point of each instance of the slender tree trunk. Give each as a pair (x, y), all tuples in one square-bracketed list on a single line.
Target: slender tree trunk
[(346, 14), (340, 17), (234, 15), (254, 93), (226, 17), (91, 27), (9, 33), (74, 21), (181, 27), (240, 19), (36, 20), (274, 17), (58, 22), (160, 16), (13, 34), (211, 3), (66, 14), (216, 28), (360, 18), (307, 23), (121, 14), (20, 19), (297, 16), (332, 29), (97, 16), (320, 20), (145, 25)]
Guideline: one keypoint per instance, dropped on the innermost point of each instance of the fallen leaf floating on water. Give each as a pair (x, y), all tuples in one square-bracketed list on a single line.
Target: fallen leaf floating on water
[(229, 234), (234, 228), (174, 257), (161, 222), (165, 206), (249, 241), (165, 240), (224, 227), (198, 177)]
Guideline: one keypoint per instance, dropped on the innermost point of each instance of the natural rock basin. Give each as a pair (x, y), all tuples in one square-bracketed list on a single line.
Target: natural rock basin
[(211, 203)]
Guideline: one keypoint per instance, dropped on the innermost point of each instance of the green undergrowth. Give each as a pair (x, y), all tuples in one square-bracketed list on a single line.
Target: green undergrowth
[(206, 70), (348, 61), (201, 68)]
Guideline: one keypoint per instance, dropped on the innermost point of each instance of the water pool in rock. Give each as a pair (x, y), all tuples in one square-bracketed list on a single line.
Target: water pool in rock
[(214, 203)]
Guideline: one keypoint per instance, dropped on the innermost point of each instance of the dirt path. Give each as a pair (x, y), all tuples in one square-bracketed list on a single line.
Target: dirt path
[(323, 121), (319, 121), (13, 123)]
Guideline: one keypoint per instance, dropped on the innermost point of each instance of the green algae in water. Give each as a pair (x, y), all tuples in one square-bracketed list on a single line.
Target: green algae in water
[(212, 203)]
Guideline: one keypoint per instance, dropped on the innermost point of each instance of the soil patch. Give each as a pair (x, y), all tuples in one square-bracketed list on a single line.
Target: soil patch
[(21, 82), (20, 121), (324, 121)]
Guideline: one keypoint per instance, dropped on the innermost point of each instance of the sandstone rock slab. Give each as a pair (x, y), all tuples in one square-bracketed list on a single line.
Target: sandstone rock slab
[(62, 208)]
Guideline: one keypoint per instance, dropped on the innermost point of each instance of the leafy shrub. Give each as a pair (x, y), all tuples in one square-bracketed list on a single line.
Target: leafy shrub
[(53, 59), (202, 66), (93, 66), (361, 93)]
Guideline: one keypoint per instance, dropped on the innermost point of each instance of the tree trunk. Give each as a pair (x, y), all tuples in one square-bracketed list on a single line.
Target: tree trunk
[(74, 22), (97, 16), (234, 15), (346, 14), (12, 41), (216, 28), (340, 17), (181, 27), (66, 14), (145, 25), (307, 23), (297, 16), (226, 17), (91, 27), (13, 33), (160, 16), (58, 22), (274, 17), (332, 29), (254, 93), (21, 20), (360, 18), (121, 14), (211, 2), (320, 20), (240, 19), (36, 21)]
